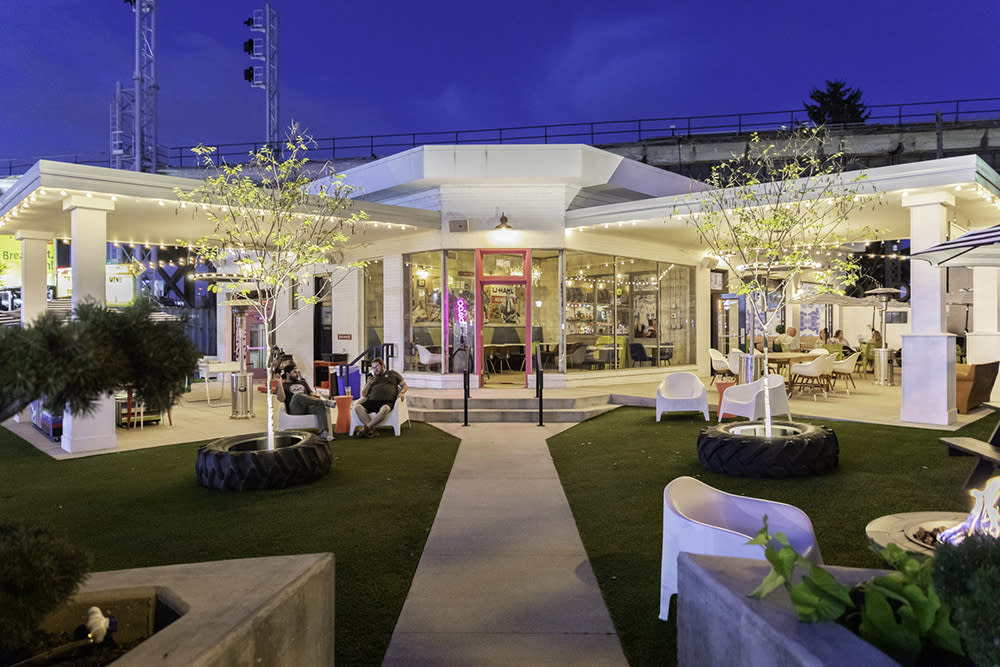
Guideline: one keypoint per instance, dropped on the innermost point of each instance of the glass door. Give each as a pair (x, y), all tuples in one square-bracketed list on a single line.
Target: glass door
[(503, 331)]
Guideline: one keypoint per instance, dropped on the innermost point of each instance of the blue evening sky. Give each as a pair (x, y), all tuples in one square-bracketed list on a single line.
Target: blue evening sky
[(356, 68)]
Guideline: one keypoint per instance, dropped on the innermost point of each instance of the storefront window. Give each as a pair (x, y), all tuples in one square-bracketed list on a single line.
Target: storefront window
[(545, 316), (372, 288), (461, 267), (623, 312), (423, 294), (677, 311)]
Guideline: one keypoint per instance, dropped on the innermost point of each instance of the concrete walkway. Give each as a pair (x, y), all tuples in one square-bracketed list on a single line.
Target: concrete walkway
[(504, 579)]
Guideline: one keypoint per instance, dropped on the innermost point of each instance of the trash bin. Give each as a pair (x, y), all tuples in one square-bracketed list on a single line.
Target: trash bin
[(353, 380), (883, 366), (242, 396)]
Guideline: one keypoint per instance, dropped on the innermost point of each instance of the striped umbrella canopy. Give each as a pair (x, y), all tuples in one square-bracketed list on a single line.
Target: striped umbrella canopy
[(978, 248)]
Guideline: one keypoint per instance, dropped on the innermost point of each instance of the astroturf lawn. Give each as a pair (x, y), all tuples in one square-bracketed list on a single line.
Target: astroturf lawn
[(143, 508), (613, 469)]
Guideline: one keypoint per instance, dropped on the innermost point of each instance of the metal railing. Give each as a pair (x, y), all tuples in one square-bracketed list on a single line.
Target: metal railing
[(594, 133)]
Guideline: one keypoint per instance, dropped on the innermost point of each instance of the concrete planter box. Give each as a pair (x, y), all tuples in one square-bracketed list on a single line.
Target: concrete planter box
[(717, 624), (253, 611)]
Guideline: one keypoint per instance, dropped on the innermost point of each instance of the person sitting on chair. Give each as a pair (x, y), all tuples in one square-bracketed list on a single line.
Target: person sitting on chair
[(379, 396), (299, 399)]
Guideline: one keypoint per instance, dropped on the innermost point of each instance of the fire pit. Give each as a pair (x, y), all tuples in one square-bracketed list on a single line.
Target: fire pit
[(903, 529)]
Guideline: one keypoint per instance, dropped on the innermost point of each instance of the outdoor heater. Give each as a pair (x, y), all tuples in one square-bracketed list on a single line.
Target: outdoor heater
[(242, 394), (883, 369)]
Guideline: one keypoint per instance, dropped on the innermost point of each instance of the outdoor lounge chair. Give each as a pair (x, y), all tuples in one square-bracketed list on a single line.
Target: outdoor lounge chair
[(845, 369), (397, 417), (701, 519), (426, 358), (681, 392), (719, 364), (747, 400)]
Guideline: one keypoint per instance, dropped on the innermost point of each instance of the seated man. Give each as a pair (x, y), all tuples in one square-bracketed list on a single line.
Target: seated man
[(299, 399), (379, 396), (790, 340)]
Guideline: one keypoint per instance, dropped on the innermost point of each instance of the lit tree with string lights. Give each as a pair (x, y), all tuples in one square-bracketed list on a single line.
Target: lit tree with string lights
[(775, 212), (276, 224)]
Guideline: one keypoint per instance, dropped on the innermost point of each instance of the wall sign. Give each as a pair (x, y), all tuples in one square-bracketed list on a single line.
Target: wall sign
[(343, 336)]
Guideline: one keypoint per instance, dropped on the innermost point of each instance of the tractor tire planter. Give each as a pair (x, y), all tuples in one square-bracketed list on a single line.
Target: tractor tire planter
[(244, 463), (794, 450)]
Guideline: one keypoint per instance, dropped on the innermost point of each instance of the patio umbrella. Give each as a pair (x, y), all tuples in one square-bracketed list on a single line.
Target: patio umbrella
[(979, 248), (833, 299)]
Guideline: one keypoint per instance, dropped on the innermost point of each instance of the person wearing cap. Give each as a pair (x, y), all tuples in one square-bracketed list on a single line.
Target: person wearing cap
[(299, 399)]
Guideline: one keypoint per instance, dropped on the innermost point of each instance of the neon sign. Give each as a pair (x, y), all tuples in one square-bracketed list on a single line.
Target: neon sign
[(461, 312)]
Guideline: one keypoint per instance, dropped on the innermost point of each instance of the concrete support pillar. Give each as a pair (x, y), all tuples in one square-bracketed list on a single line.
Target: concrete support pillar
[(34, 265), (88, 254), (393, 306), (34, 290), (703, 317), (347, 305), (982, 344), (928, 351), (793, 311)]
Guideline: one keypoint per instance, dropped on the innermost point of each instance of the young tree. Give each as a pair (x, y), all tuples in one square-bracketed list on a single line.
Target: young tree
[(775, 212), (837, 105), (74, 363), (274, 222)]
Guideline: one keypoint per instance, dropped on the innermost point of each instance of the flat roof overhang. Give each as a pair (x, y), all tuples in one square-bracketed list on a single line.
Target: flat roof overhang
[(974, 185), (147, 209)]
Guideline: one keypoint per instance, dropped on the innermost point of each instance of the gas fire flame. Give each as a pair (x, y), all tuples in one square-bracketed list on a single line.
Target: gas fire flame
[(983, 519)]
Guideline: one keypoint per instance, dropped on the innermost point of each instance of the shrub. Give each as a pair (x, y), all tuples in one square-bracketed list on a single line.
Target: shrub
[(967, 577), (39, 570)]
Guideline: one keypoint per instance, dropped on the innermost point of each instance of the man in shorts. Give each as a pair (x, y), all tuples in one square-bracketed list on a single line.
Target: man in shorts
[(379, 395)]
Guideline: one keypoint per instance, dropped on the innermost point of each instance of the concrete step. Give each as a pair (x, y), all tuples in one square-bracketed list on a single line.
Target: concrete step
[(440, 403), (549, 414)]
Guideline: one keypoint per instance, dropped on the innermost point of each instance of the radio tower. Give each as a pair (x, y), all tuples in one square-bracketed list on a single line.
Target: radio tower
[(134, 144), (265, 76)]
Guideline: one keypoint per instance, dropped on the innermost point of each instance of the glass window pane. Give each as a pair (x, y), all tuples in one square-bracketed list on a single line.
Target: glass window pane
[(545, 316), (373, 289), (462, 309), (677, 311), (423, 294), (503, 264)]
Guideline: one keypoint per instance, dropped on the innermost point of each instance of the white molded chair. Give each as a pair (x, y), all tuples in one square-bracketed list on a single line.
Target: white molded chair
[(747, 400), (700, 519), (397, 417), (288, 422), (818, 351), (845, 369), (719, 364), (681, 392), (427, 358), (818, 373)]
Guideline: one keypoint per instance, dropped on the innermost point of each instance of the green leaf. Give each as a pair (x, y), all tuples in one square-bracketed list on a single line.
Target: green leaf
[(879, 627), (772, 581), (825, 581)]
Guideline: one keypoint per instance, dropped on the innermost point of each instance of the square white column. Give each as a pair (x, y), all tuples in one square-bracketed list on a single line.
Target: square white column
[(393, 275), (928, 351), (88, 254), (982, 344), (34, 247), (34, 264)]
